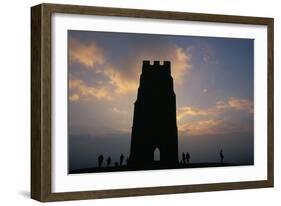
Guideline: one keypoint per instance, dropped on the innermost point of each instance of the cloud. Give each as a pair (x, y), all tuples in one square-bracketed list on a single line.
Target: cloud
[(200, 127), (179, 57), (214, 120), (123, 78), (237, 104), (82, 90), (91, 57), (191, 111), (213, 127), (182, 63), (122, 84), (107, 69), (119, 111), (74, 97), (241, 104), (87, 54), (115, 85), (222, 105), (208, 53)]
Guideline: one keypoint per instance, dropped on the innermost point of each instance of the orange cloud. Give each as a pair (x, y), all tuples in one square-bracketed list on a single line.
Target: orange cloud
[(241, 104), (82, 90), (124, 81), (93, 58), (181, 64), (212, 127), (88, 55), (74, 97), (237, 104), (122, 84), (209, 121), (200, 127), (191, 111), (180, 60)]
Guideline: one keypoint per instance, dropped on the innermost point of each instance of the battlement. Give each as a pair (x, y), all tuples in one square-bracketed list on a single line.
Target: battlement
[(156, 63), (147, 66)]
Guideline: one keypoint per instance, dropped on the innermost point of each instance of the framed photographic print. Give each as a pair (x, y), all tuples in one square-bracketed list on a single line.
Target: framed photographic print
[(130, 102)]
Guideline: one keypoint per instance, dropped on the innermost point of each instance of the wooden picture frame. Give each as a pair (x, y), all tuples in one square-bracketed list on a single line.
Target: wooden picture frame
[(41, 96)]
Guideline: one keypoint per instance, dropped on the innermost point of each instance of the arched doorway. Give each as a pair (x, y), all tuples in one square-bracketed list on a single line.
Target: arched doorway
[(156, 154)]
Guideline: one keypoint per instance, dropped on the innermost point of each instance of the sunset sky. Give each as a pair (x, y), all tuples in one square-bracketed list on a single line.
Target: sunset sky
[(213, 82)]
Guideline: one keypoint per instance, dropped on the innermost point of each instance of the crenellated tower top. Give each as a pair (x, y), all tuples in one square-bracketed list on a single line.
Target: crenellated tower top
[(148, 67)]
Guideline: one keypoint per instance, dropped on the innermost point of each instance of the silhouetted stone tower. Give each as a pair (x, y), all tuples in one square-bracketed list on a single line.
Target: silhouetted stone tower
[(154, 124)]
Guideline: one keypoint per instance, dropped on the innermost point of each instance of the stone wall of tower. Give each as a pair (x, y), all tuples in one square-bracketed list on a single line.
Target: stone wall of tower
[(154, 122)]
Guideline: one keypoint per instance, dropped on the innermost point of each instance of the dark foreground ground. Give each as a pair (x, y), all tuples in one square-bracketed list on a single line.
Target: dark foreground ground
[(126, 168)]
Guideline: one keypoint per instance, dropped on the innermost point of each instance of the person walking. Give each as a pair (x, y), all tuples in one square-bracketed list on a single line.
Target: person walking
[(121, 159), (100, 160), (221, 156), (187, 156)]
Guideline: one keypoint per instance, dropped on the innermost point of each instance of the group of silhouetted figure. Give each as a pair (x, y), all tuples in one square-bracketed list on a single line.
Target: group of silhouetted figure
[(108, 161), (185, 160), (186, 157)]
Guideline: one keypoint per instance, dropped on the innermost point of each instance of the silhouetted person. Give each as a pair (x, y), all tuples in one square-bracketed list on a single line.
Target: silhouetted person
[(183, 158), (121, 159), (221, 155), (116, 164), (187, 156), (127, 160), (108, 161), (100, 159)]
